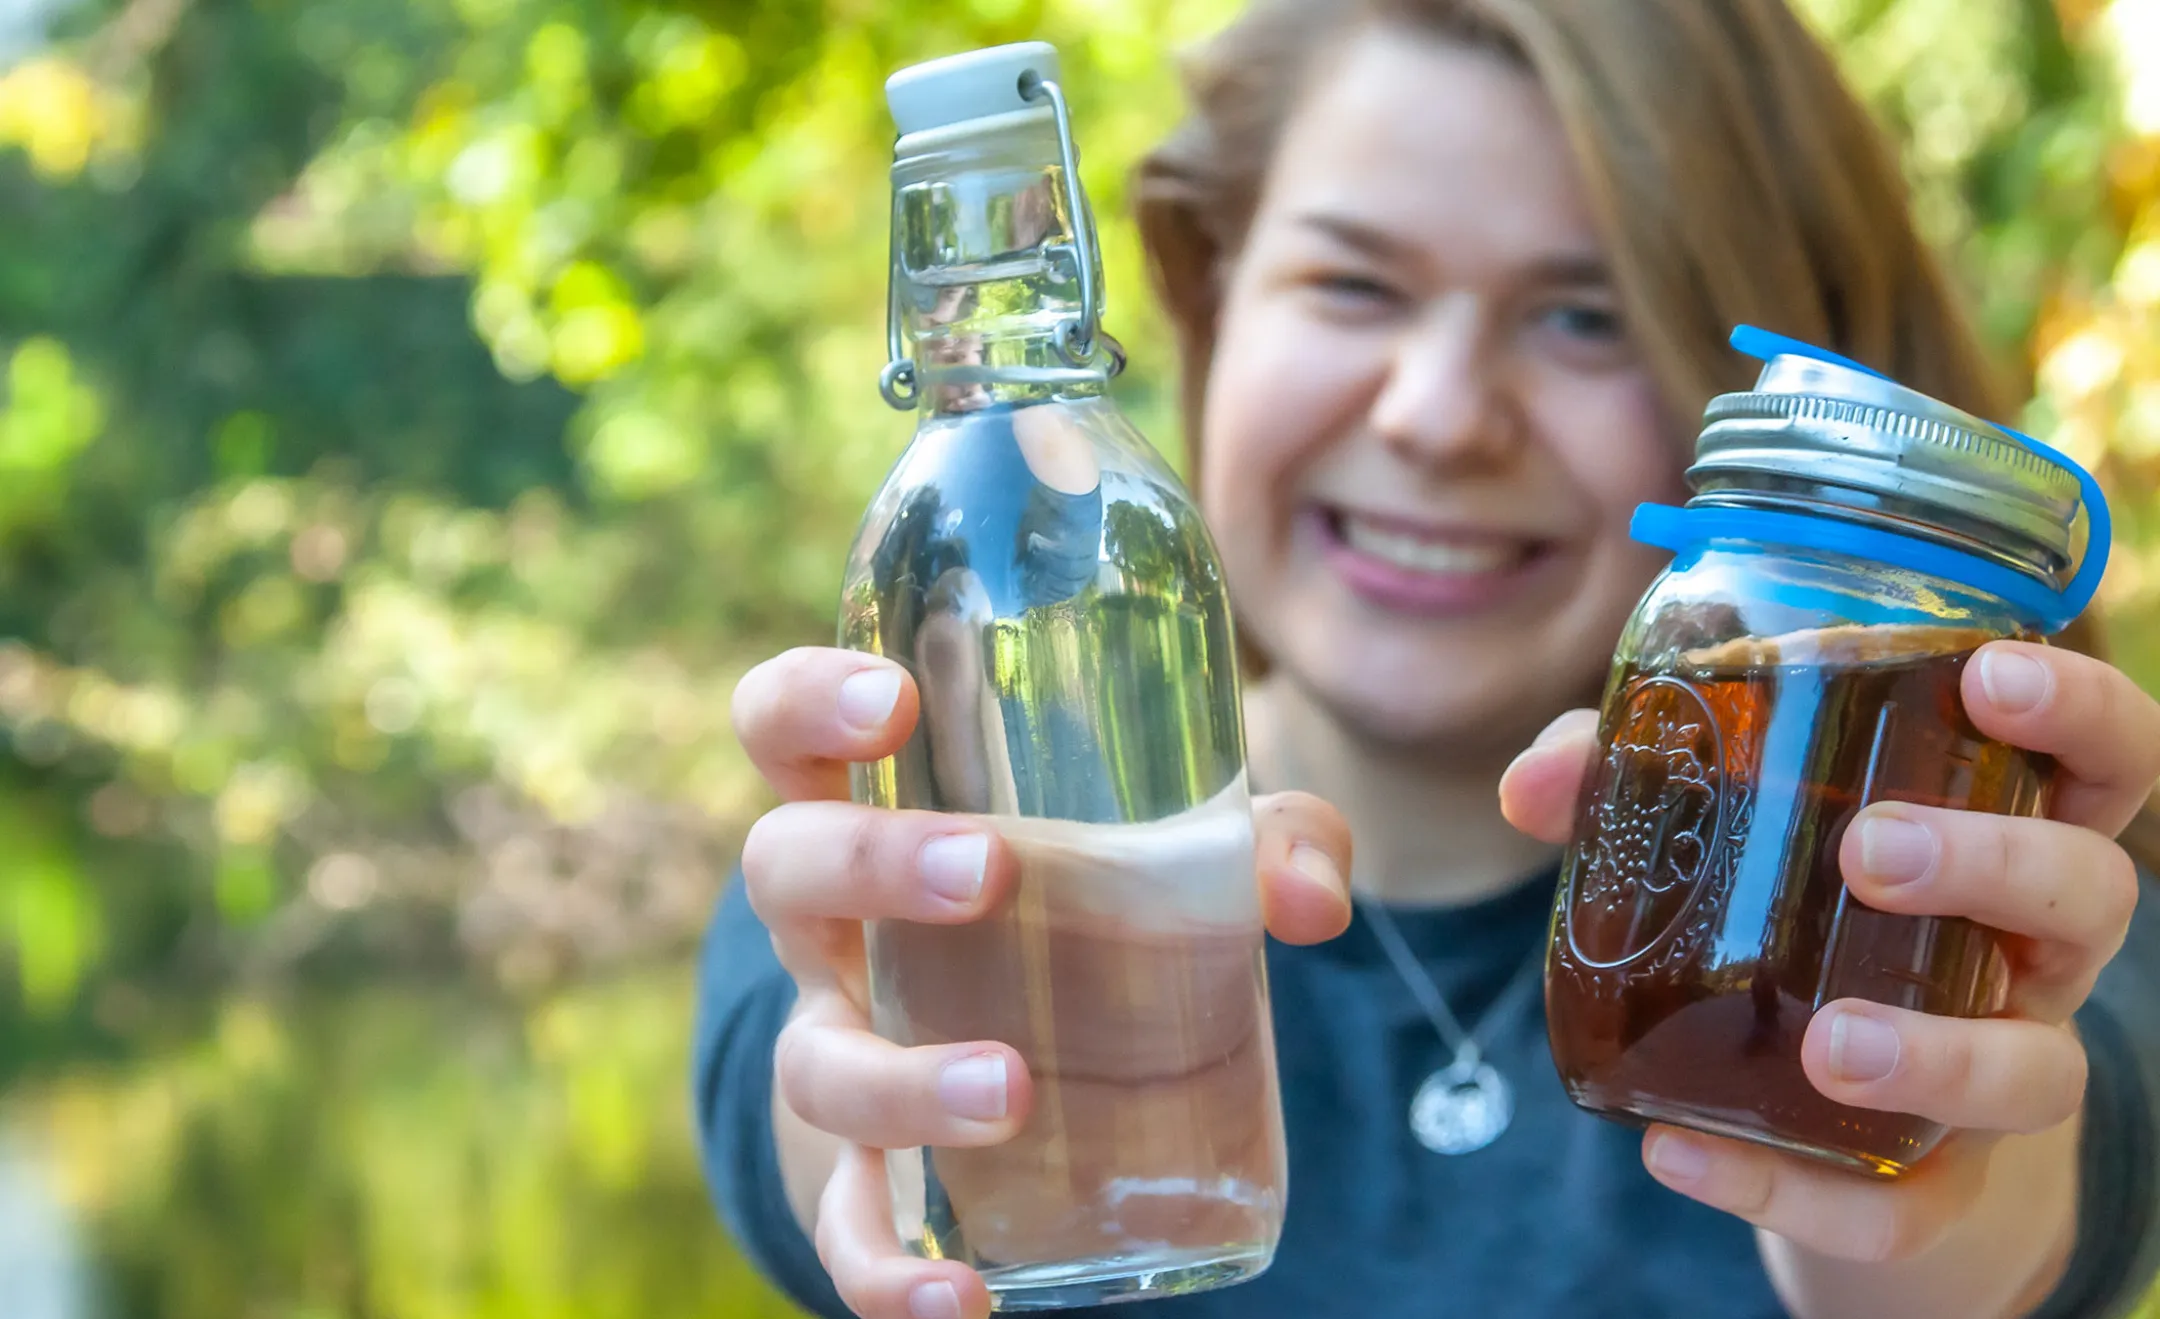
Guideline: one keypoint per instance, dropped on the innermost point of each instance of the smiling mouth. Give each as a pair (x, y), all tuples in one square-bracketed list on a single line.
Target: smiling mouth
[(1426, 553)]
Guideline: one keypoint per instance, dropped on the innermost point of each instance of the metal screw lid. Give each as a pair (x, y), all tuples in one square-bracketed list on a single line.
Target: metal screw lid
[(1819, 433)]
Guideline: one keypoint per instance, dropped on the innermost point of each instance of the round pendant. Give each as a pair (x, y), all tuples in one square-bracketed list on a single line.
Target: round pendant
[(1461, 1108)]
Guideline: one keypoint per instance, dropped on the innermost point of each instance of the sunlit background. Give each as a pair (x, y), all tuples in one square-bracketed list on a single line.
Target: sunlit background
[(415, 416)]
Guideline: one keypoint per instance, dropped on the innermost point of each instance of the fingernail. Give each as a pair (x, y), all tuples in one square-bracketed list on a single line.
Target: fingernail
[(952, 867), (934, 1300), (1862, 1048), (1896, 851), (2014, 683), (1315, 865), (1679, 1158), (974, 1088), (867, 698)]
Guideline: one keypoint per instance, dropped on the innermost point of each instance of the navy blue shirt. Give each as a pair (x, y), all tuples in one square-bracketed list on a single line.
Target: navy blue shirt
[(1558, 1217)]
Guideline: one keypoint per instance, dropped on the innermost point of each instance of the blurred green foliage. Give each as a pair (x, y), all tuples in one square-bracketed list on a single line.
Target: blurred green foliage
[(414, 416)]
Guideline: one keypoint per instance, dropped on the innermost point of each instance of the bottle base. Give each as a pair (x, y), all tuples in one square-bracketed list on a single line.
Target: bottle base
[(1638, 1111), (1106, 1280)]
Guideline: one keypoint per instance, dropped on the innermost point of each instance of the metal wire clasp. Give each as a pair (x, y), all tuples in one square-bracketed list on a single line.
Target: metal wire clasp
[(897, 382), (1075, 340), (1078, 338)]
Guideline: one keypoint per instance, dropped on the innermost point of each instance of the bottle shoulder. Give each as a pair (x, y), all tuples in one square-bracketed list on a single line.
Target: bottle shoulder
[(1064, 487), (1764, 603)]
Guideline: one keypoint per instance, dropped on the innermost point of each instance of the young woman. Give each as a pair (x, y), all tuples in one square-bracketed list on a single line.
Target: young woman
[(1451, 280)]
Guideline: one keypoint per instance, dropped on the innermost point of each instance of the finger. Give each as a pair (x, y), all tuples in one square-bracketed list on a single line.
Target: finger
[(874, 1276), (873, 1092), (1991, 1074), (1302, 846), (1540, 792), (836, 861), (802, 717), (2061, 884), (2095, 722), (1816, 1206)]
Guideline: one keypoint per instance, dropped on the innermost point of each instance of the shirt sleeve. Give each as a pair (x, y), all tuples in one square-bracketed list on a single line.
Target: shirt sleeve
[(2117, 1255), (743, 999)]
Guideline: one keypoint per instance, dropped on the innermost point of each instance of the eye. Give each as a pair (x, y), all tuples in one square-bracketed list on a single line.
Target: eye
[(1356, 286), (1584, 322), (1353, 293)]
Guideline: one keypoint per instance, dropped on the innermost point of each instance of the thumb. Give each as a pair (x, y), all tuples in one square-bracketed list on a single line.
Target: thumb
[(1541, 790), (1302, 847)]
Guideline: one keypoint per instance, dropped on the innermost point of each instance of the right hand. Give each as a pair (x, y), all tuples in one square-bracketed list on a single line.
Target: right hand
[(817, 867)]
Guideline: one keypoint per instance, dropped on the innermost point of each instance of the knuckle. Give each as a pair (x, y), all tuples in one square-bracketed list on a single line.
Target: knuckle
[(794, 958), (825, 1233), (2001, 849), (2148, 762), (821, 1235), (2116, 892), (1946, 1064), (795, 1069), (758, 848), (864, 843), (1751, 1192), (1753, 1198), (2067, 1093), (2105, 706), (750, 706)]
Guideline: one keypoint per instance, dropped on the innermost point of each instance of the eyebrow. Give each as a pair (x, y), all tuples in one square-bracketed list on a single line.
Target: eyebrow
[(1568, 269), (1355, 233)]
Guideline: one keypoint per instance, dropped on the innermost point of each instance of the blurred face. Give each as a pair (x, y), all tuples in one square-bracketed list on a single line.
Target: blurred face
[(1426, 428)]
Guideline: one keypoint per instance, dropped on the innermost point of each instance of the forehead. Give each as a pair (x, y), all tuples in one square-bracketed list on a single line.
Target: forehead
[(1439, 144)]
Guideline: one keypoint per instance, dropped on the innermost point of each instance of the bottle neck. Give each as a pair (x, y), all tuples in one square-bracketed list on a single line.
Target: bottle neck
[(986, 267), (1913, 518)]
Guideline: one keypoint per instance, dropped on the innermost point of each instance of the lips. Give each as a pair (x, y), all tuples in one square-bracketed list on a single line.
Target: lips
[(1414, 553), (1412, 568)]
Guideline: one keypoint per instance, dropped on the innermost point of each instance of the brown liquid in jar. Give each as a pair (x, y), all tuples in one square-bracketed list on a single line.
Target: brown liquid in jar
[(1703, 917)]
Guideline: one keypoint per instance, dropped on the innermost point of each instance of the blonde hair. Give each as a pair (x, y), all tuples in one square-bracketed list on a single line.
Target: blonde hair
[(1736, 178)]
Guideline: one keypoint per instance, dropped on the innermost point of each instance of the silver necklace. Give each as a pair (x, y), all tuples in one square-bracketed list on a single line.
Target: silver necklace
[(1467, 1104)]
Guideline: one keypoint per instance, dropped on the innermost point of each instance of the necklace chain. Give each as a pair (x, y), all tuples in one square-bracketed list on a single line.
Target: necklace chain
[(1466, 1045), (1466, 1105)]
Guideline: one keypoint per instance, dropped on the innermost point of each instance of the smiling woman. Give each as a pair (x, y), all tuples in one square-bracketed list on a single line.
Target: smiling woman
[(1452, 279), (1431, 399), (1600, 230)]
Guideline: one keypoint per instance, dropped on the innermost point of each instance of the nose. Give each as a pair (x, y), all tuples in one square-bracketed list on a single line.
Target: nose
[(1443, 403)]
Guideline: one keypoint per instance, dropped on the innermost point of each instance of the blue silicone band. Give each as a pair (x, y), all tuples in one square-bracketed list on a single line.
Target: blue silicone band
[(1762, 345), (2051, 610), (2078, 593), (1682, 529)]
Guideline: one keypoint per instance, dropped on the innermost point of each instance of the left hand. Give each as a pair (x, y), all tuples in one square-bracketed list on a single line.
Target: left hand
[(2059, 889)]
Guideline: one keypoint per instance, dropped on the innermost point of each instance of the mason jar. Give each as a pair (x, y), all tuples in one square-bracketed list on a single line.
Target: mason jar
[(1849, 545)]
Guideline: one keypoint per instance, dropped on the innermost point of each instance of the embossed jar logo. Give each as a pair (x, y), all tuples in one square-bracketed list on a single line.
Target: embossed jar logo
[(1657, 818)]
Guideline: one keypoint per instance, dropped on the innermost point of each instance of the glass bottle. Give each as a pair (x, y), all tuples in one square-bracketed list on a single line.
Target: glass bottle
[(1048, 583), (1849, 545)]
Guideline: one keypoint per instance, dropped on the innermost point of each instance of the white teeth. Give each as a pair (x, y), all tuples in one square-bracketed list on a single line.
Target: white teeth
[(1424, 555)]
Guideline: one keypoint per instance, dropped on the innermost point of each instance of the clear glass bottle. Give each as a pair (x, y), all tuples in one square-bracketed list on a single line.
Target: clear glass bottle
[(1850, 544), (1048, 582)]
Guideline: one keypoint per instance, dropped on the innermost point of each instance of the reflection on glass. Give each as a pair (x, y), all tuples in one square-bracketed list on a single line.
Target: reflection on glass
[(1051, 589)]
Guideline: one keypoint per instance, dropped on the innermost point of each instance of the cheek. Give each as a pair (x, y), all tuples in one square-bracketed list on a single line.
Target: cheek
[(1281, 391), (1619, 447)]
